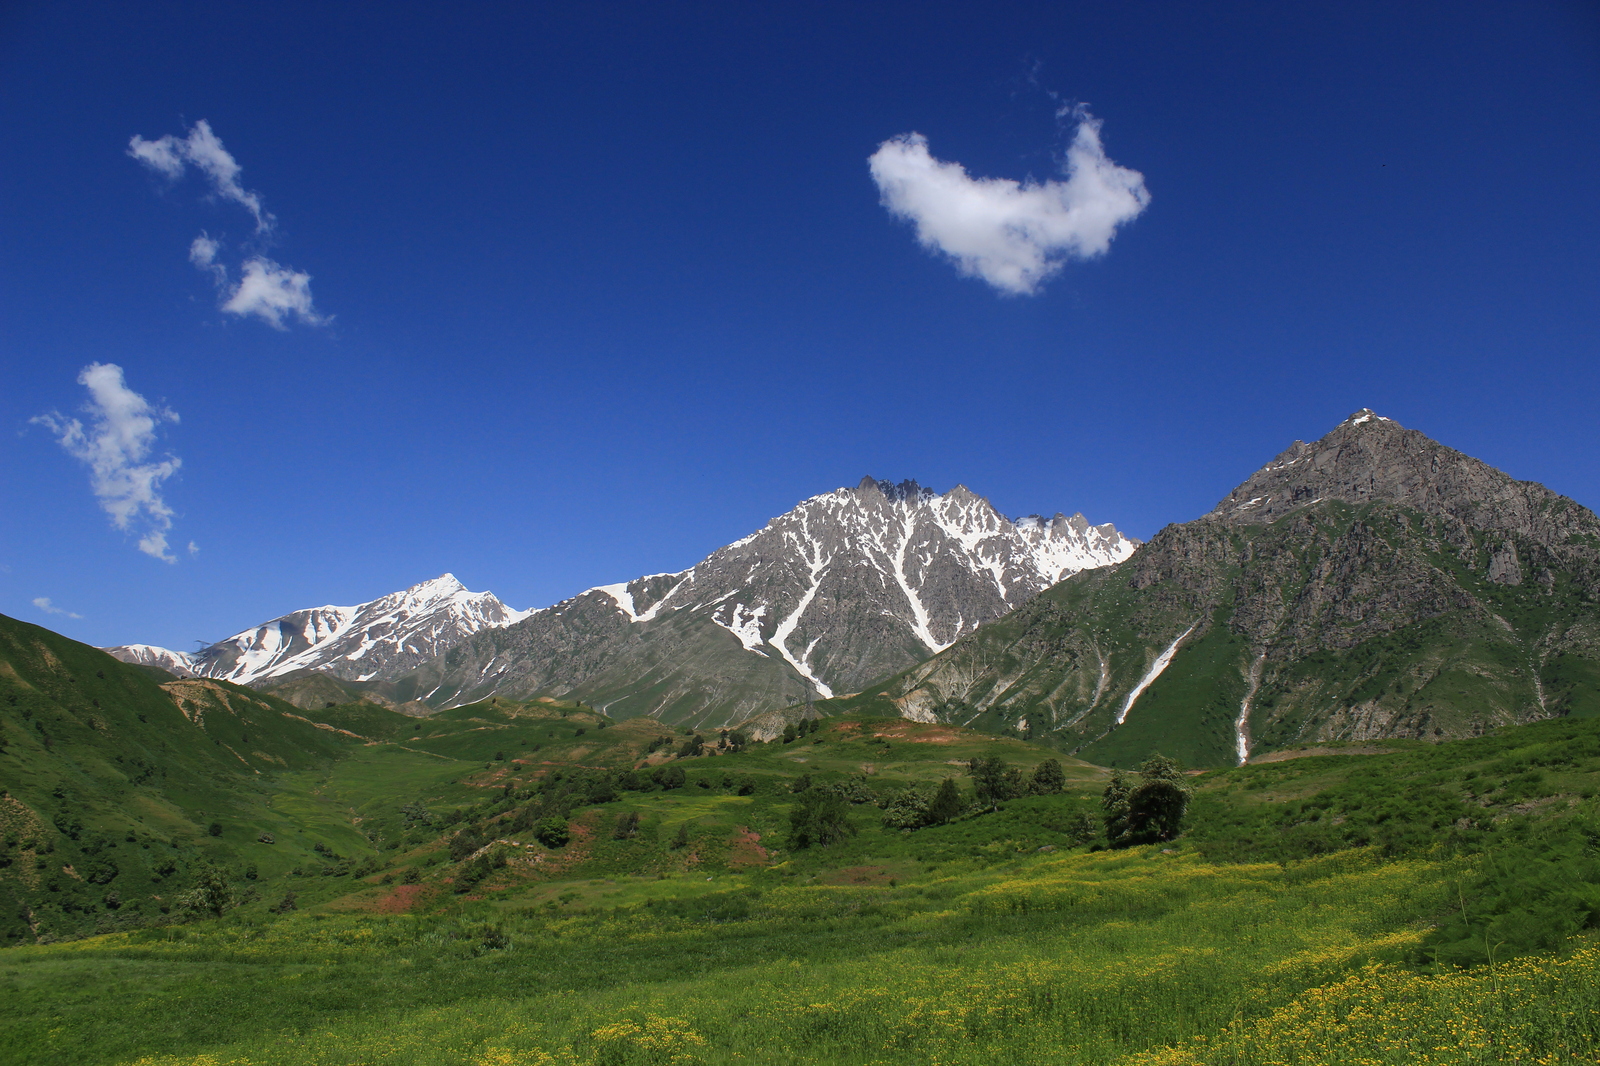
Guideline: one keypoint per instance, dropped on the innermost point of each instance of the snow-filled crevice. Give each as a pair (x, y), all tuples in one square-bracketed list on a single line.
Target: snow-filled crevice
[(1241, 725), (818, 566), (1156, 668), (919, 613)]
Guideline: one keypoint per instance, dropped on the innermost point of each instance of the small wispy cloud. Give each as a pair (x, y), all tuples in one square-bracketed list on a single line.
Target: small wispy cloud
[(116, 444), (1014, 235), (203, 254), (202, 149), (265, 289), (44, 604)]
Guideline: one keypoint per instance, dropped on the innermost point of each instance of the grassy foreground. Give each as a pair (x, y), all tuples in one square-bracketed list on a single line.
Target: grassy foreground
[(1085, 958)]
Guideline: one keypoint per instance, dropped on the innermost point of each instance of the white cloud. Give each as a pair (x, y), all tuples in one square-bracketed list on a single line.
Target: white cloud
[(115, 445), (44, 604), (266, 290), (203, 149), (270, 292), (1013, 235)]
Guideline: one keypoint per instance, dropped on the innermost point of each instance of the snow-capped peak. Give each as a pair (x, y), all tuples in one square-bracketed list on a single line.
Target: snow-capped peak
[(811, 583), (1366, 414), (380, 639)]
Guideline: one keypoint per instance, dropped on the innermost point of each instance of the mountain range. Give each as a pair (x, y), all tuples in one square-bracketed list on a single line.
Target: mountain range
[(843, 590), (377, 640), (1371, 584)]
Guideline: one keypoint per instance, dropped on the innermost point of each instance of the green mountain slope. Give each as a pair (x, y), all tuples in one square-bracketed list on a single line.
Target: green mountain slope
[(113, 780), (1373, 584)]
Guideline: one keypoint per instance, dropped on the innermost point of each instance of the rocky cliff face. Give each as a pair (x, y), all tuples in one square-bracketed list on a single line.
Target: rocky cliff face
[(1373, 583), (845, 589)]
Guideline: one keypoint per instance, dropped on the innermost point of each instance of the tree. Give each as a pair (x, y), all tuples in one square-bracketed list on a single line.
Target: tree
[(1114, 802), (994, 782), (789, 733), (627, 826), (819, 817), (906, 808), (211, 893), (1150, 812), (1048, 778), (946, 803), (669, 777), (801, 783), (553, 832), (215, 829)]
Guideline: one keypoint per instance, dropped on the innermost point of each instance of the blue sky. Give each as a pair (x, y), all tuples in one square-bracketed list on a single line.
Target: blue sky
[(598, 288)]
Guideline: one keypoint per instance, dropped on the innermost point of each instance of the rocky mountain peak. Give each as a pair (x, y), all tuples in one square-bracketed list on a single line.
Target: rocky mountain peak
[(905, 490), (1368, 458), (841, 590)]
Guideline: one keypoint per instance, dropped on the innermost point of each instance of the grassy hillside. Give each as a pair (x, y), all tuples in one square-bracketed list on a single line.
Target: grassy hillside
[(1382, 887)]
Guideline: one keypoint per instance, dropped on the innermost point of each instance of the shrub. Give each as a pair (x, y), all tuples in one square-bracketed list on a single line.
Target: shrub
[(552, 832), (211, 893), (819, 818)]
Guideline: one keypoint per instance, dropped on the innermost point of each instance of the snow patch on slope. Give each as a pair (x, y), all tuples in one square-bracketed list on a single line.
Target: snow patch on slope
[(1155, 671)]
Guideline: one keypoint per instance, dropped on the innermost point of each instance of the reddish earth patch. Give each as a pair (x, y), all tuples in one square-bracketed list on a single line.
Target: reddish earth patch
[(403, 898), (745, 850), (916, 733), (857, 875)]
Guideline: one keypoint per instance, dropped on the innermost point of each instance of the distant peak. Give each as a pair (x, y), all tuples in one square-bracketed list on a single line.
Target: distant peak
[(443, 585), (1366, 414), (906, 490)]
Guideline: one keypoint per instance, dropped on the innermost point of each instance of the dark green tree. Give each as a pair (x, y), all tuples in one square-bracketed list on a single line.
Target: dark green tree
[(552, 832), (669, 777), (947, 802), (994, 782), (1048, 778), (211, 893), (818, 818), (1150, 812), (1082, 828), (1114, 804)]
